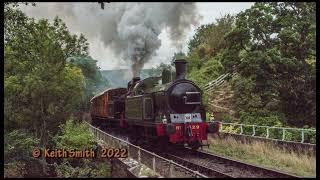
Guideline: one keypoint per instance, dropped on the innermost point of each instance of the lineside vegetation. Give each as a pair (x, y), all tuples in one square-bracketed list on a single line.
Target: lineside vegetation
[(265, 154)]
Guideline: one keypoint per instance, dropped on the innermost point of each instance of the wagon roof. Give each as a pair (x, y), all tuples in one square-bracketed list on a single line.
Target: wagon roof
[(103, 92)]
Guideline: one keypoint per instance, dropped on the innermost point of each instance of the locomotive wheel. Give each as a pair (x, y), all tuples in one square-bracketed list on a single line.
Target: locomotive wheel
[(132, 138), (195, 145), (93, 121), (163, 143), (133, 135)]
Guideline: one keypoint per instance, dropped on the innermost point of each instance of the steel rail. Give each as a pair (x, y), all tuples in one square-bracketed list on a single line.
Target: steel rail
[(213, 165), (198, 167), (243, 167)]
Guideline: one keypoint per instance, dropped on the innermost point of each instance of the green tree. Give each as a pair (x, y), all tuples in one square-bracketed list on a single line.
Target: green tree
[(204, 56), (211, 69), (165, 70), (178, 55), (272, 48), (207, 43), (41, 90), (94, 81), (211, 35), (204, 50)]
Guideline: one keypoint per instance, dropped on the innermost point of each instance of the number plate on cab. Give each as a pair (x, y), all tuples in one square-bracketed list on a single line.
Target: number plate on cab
[(187, 118)]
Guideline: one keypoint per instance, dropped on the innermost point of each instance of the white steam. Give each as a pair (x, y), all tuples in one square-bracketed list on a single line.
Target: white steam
[(131, 30)]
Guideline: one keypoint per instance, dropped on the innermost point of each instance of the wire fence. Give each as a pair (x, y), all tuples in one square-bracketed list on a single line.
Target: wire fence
[(163, 166), (217, 82), (300, 135)]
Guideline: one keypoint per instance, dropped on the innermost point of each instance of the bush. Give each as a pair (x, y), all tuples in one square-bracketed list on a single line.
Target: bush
[(76, 135), (18, 146), (228, 118), (234, 129), (260, 117)]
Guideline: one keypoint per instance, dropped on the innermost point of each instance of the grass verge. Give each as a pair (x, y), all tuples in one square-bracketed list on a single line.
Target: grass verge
[(264, 154)]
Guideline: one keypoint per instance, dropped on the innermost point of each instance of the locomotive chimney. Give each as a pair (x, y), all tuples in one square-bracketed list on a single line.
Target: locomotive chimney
[(132, 83), (180, 68), (135, 79)]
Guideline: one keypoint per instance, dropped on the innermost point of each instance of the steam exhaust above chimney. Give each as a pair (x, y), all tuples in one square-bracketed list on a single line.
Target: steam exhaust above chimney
[(180, 68)]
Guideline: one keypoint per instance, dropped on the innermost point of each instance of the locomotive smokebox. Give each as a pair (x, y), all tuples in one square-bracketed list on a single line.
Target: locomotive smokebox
[(180, 68)]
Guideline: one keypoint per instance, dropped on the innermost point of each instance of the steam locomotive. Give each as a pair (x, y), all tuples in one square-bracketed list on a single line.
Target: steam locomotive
[(148, 110)]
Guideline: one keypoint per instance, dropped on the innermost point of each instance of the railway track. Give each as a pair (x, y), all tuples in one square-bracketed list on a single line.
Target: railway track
[(212, 165), (209, 172)]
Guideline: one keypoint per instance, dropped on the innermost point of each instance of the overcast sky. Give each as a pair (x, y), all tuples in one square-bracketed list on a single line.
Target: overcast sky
[(105, 56)]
